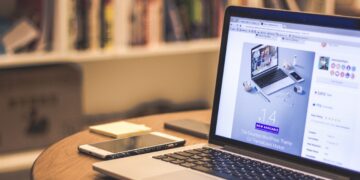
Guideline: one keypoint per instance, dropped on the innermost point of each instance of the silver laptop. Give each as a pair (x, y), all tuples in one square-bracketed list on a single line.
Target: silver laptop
[(310, 130), (265, 71)]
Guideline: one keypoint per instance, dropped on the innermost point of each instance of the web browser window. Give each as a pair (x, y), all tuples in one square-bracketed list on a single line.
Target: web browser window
[(315, 114)]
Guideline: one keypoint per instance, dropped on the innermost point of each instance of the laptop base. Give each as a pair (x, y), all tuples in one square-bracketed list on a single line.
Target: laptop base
[(268, 90)]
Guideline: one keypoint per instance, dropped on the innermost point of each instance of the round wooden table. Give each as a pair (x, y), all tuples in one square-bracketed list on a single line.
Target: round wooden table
[(63, 161)]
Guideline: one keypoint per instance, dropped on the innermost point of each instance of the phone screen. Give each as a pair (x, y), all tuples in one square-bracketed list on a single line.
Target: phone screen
[(295, 75), (131, 143)]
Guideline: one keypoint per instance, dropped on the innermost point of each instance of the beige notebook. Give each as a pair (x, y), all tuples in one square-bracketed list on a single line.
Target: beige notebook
[(120, 129)]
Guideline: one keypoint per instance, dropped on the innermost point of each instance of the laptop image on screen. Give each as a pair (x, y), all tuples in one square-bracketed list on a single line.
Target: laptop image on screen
[(265, 71), (311, 128)]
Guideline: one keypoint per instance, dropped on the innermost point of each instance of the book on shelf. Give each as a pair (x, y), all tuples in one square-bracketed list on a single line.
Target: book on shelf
[(21, 34), (5, 25), (82, 8), (139, 12), (293, 5), (255, 3), (276, 4), (47, 26), (37, 16), (91, 24), (107, 17), (154, 22), (94, 32), (192, 19), (72, 24), (173, 27)]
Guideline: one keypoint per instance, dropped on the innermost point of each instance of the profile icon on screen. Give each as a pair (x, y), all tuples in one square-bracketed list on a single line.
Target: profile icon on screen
[(324, 63)]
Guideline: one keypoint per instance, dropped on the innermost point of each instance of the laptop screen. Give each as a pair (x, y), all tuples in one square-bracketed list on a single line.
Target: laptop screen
[(263, 59), (315, 117)]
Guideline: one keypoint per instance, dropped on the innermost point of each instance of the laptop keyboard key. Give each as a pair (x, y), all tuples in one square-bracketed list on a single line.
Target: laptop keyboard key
[(168, 159), (177, 161), (199, 162), (187, 164), (160, 157), (176, 156), (185, 154), (205, 159), (203, 155), (192, 152), (190, 160), (196, 157)]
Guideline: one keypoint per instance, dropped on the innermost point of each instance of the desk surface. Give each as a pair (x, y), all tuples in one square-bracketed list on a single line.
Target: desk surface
[(63, 161)]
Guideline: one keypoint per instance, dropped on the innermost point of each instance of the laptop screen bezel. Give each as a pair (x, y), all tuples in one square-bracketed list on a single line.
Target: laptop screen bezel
[(350, 23)]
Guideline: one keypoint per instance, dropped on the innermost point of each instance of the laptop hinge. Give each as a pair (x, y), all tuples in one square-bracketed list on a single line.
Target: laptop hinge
[(284, 163)]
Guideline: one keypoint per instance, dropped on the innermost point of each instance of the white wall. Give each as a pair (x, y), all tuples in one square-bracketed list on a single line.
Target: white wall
[(119, 85)]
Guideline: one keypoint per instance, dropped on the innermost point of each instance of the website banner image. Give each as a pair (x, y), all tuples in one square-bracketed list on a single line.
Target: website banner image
[(272, 97)]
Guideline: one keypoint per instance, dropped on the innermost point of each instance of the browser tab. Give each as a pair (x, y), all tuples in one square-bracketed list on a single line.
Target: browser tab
[(271, 25)]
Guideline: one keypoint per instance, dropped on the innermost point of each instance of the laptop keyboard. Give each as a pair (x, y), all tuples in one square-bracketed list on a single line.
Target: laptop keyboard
[(229, 166), (270, 78)]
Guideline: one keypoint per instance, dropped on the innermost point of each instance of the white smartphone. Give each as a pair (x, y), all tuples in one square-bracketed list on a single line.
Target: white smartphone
[(118, 148), (296, 76)]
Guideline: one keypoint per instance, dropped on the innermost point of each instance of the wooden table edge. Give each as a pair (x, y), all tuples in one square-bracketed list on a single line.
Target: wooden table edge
[(56, 165)]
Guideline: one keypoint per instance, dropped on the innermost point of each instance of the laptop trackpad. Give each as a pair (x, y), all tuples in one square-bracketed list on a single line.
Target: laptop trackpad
[(182, 174)]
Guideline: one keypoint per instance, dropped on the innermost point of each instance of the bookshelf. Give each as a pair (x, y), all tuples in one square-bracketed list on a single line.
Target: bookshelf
[(121, 48), (63, 48), (169, 49)]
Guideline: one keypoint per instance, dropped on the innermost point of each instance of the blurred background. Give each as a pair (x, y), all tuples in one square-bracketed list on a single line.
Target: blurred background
[(68, 64)]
